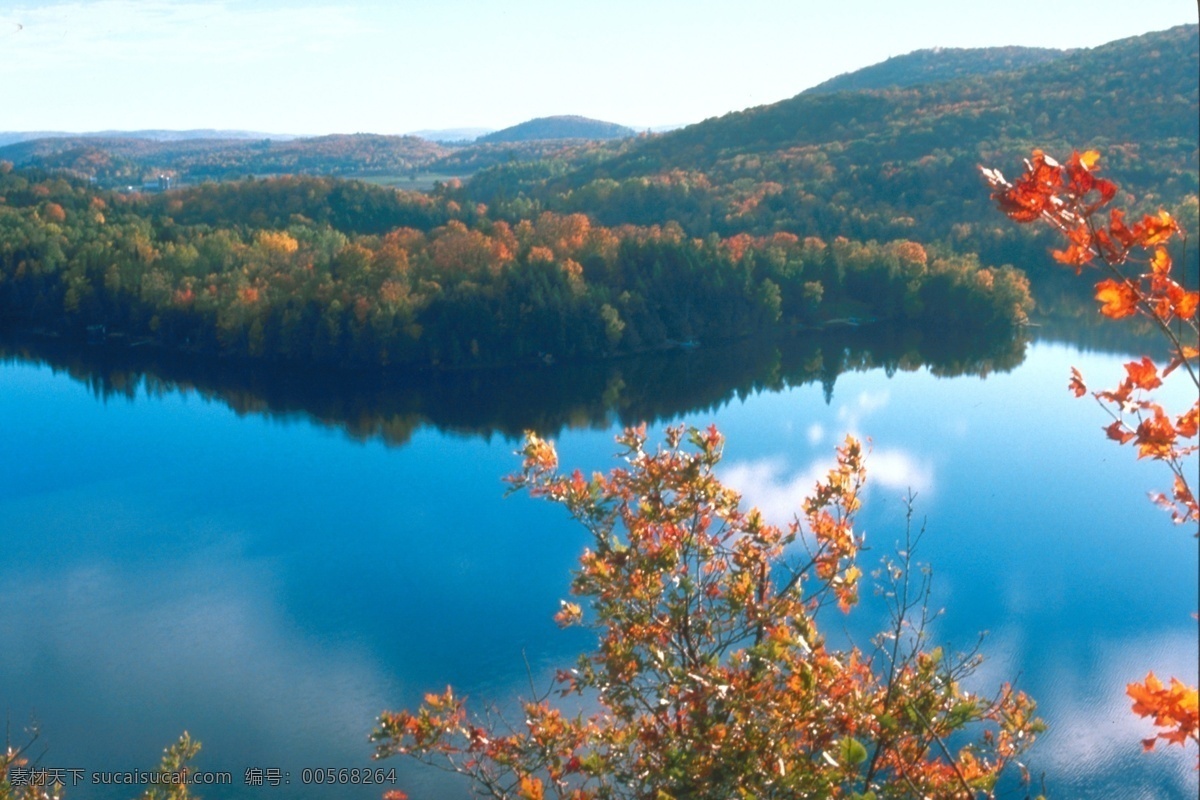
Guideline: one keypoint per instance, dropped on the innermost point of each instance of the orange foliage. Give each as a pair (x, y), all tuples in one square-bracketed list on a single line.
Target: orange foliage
[(1069, 198), (278, 242), (1174, 709), (710, 678), (53, 212)]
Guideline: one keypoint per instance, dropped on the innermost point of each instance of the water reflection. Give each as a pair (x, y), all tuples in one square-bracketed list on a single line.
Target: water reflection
[(169, 564), (646, 388)]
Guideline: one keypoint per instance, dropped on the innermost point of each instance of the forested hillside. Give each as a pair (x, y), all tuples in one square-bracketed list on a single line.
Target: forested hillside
[(901, 162), (937, 65), (854, 204)]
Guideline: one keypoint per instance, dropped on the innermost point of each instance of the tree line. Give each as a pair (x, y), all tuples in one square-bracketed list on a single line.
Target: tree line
[(330, 271)]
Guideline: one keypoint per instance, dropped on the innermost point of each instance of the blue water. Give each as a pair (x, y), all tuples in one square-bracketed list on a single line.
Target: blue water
[(270, 584)]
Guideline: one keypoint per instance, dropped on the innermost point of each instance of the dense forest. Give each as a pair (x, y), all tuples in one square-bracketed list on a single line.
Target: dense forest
[(835, 204), (900, 161), (330, 271), (937, 65)]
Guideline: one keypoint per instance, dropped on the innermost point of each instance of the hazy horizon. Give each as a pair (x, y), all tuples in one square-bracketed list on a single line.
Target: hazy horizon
[(312, 68)]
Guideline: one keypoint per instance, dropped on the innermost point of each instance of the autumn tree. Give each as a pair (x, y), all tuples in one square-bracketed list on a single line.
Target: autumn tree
[(1137, 282), (710, 677)]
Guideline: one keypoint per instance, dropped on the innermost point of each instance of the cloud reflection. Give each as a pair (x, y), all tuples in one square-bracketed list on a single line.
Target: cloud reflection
[(1093, 741), (117, 648), (777, 491)]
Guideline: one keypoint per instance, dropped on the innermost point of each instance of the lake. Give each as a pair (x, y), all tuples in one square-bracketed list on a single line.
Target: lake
[(269, 559)]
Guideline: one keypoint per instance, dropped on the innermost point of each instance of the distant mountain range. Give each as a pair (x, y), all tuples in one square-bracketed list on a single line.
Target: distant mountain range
[(566, 127), (11, 137), (126, 159), (452, 135), (120, 158)]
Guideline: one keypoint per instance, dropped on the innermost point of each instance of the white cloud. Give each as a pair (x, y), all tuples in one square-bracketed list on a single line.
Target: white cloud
[(766, 485), (899, 470), (778, 492), (866, 403), (217, 629), (1094, 730), (815, 434)]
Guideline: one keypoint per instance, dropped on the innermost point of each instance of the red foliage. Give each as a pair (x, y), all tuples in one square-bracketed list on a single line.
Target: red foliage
[(1069, 198)]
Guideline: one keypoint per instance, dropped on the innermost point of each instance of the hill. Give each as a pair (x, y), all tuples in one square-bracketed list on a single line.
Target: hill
[(118, 160), (566, 127), (901, 162), (938, 65)]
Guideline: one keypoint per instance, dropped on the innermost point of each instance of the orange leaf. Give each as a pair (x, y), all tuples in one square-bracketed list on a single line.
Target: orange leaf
[(1154, 230), (1185, 354), (569, 614), (1175, 709), (1185, 307), (1160, 262), (1079, 251), (531, 788), (1155, 436), (1025, 200), (1078, 170), (1076, 385), (1143, 375), (1117, 299), (1187, 424)]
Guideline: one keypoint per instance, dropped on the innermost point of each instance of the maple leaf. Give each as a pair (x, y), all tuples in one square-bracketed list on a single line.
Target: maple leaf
[(1187, 424), (1117, 299), (531, 788), (1155, 435), (1184, 355), (1080, 180), (1118, 230), (1076, 385), (1087, 159), (1187, 305), (1118, 433), (1079, 252), (1174, 708), (1033, 193), (1154, 230), (568, 614), (1143, 374), (1160, 262)]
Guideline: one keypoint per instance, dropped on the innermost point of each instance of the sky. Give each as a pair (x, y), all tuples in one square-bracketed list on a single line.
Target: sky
[(312, 67)]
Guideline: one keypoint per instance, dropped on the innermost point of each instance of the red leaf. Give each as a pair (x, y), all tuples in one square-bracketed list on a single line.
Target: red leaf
[(1143, 375), (1155, 436), (1117, 432)]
